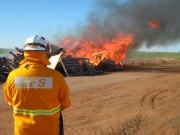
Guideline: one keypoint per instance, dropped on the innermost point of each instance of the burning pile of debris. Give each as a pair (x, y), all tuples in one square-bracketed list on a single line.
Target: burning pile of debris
[(66, 64), (78, 66)]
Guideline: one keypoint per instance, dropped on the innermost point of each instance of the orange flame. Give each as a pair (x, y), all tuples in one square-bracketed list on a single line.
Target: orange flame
[(97, 50), (154, 24)]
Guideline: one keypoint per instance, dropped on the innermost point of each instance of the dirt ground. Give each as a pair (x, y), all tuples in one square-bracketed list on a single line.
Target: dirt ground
[(135, 101)]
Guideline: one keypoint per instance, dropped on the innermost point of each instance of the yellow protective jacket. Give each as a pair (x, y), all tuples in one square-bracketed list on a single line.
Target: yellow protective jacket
[(37, 94)]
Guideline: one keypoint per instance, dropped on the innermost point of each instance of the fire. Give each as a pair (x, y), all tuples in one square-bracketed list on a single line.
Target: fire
[(154, 24), (114, 49)]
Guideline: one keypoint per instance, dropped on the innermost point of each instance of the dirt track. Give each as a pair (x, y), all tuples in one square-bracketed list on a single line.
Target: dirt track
[(131, 102)]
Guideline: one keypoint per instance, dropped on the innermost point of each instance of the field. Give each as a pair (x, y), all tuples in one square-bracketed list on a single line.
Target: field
[(154, 55), (141, 99)]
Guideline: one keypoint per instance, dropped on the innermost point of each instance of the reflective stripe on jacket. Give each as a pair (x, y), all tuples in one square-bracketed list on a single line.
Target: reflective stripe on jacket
[(37, 112)]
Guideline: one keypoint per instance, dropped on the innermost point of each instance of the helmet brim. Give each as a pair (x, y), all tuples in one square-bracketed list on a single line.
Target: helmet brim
[(34, 48)]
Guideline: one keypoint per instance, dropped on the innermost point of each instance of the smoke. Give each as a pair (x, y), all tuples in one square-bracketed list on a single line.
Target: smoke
[(133, 16)]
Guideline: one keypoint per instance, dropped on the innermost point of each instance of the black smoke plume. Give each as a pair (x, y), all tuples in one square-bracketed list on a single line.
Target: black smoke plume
[(132, 16)]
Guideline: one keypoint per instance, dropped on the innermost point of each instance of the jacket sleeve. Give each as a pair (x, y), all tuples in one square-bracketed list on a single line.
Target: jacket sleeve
[(8, 92), (64, 95)]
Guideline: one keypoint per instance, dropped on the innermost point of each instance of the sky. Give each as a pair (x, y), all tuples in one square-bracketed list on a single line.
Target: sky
[(20, 19)]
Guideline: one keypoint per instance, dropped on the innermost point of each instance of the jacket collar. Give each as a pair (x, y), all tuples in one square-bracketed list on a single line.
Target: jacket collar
[(35, 57)]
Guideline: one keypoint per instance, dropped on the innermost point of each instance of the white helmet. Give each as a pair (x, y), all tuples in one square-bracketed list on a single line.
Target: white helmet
[(36, 43)]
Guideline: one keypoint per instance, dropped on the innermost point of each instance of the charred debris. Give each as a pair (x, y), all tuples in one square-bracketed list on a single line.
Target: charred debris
[(67, 65)]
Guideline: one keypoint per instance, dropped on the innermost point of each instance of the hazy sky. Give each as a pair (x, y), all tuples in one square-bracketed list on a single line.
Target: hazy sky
[(20, 19)]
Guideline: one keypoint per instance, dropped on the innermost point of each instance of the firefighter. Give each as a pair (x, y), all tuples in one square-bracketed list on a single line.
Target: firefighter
[(37, 93)]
